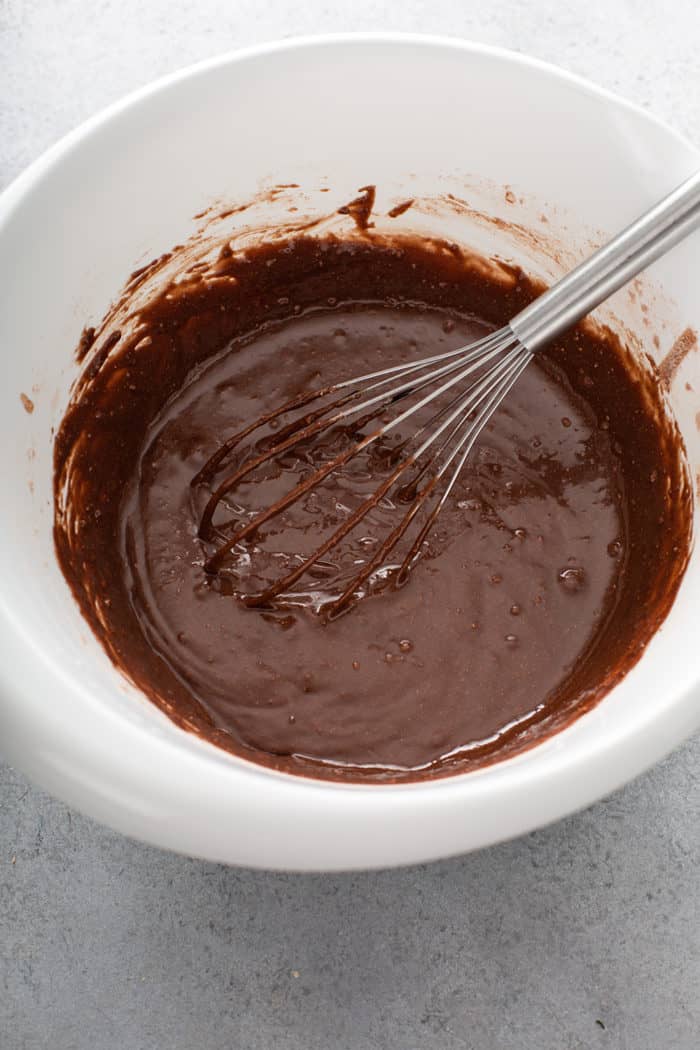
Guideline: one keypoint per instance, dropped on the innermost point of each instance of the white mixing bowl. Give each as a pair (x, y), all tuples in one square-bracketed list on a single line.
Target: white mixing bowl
[(399, 112)]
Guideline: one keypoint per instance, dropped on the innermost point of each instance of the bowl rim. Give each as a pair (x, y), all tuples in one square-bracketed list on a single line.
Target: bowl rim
[(642, 739)]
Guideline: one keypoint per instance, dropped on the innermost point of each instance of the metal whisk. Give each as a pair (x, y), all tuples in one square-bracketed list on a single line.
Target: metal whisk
[(464, 387)]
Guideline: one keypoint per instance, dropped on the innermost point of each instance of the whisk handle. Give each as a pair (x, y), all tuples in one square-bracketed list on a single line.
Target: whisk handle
[(613, 265)]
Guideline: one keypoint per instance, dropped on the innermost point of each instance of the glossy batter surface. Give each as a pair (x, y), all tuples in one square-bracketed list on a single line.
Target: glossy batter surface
[(539, 586)]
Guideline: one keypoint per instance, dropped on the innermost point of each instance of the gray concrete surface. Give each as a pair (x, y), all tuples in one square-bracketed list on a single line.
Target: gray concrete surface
[(581, 936)]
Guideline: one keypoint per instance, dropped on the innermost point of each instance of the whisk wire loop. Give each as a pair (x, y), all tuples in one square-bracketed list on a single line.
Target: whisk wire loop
[(464, 386)]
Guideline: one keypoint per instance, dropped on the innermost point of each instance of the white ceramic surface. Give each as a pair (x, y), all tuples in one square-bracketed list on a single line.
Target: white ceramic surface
[(120, 190)]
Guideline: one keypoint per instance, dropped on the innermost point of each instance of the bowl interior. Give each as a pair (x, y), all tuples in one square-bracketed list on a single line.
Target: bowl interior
[(416, 118)]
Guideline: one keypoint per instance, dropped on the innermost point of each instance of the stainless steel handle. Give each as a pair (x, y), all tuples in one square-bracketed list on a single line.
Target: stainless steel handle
[(626, 255)]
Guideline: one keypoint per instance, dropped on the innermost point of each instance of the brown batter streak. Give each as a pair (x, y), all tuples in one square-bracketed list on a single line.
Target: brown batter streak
[(556, 558), (686, 342), (399, 209), (360, 208)]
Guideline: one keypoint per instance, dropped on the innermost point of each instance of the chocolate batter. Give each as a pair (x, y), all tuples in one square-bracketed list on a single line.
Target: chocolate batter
[(558, 555)]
